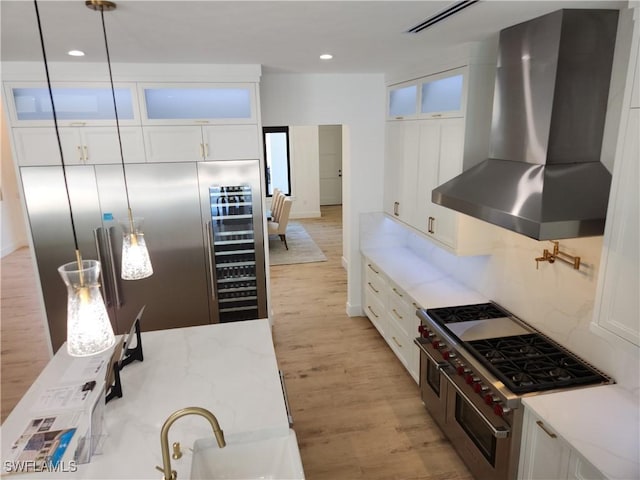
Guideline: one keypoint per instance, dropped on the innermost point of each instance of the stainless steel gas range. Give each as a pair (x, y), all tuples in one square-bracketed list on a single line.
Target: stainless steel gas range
[(476, 363)]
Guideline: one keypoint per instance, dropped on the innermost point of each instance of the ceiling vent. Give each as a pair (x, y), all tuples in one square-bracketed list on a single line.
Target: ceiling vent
[(442, 15)]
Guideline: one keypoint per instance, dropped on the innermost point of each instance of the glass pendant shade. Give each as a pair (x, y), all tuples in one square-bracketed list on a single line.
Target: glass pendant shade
[(136, 263), (89, 330)]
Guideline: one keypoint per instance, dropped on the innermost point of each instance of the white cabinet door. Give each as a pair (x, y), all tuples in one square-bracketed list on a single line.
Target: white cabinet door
[(543, 455), (173, 143), (231, 142), (39, 146), (618, 309), (401, 169), (80, 145), (100, 145), (441, 145)]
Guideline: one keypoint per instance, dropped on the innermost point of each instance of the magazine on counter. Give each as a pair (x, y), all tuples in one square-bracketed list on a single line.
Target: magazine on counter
[(42, 446)]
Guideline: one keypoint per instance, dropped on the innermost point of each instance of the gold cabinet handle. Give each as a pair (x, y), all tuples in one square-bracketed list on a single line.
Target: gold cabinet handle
[(545, 429), (397, 292), (371, 310), (397, 342), (78, 124), (206, 150), (80, 156), (374, 270), (395, 312), (86, 153), (202, 150), (201, 121), (430, 225), (436, 115), (373, 288)]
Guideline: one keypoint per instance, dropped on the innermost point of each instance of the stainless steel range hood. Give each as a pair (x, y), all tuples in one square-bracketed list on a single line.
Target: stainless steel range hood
[(543, 177)]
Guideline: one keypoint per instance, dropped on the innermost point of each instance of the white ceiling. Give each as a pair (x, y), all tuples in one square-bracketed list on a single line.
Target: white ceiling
[(282, 36)]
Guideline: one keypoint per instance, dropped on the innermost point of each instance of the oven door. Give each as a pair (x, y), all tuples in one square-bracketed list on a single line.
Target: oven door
[(433, 386), (482, 439)]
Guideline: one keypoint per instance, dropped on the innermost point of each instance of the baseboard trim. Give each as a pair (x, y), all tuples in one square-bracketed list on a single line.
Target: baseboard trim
[(314, 214), (354, 310), (6, 250)]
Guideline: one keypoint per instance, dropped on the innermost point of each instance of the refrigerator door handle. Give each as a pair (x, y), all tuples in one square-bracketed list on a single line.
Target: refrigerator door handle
[(209, 229), (103, 287), (114, 273)]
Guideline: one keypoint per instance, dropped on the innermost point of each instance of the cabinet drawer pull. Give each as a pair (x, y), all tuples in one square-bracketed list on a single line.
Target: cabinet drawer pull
[(395, 312), (397, 342), (206, 150), (201, 121), (86, 153), (202, 150), (374, 270), (397, 292), (430, 225), (80, 157), (436, 115), (78, 124), (371, 310), (545, 430), (373, 288), (396, 206)]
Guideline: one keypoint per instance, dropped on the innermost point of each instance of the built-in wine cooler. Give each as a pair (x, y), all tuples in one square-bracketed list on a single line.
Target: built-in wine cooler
[(236, 250)]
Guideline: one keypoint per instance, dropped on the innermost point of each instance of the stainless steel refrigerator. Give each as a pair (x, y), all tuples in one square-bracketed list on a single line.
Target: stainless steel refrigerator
[(174, 200)]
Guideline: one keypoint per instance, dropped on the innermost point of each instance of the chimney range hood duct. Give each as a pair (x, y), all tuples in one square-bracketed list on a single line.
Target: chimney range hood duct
[(543, 177)]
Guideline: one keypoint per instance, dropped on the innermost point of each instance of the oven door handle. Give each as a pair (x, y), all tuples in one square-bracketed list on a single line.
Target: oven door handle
[(497, 433)]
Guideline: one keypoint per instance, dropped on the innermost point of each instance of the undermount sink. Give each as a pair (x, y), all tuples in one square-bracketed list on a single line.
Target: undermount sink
[(247, 457)]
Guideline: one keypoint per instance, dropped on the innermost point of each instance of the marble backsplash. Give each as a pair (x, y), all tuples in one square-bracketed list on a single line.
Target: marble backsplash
[(554, 298)]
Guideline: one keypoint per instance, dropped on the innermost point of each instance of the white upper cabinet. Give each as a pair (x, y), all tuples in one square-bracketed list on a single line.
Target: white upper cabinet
[(184, 143), (434, 96), (443, 95), (80, 145), (449, 133), (403, 101), (76, 105), (176, 104), (617, 310)]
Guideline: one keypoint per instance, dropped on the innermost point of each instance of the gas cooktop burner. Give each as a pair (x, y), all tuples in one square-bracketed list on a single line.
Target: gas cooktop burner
[(529, 363), (466, 313)]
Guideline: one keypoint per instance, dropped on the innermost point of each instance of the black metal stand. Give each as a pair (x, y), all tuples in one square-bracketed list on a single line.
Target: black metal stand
[(127, 355)]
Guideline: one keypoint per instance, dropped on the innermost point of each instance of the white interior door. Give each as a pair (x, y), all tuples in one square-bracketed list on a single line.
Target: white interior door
[(330, 142)]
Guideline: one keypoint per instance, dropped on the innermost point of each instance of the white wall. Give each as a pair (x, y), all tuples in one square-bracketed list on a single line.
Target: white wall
[(357, 102), (14, 234)]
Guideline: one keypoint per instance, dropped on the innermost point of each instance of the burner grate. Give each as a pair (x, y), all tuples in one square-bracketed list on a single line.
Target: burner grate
[(466, 313), (529, 363)]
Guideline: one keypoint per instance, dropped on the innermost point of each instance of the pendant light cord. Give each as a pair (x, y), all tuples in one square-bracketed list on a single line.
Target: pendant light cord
[(55, 123), (115, 111)]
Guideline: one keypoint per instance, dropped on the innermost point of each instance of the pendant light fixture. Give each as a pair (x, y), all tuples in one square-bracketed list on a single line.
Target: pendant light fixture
[(89, 330), (136, 263)]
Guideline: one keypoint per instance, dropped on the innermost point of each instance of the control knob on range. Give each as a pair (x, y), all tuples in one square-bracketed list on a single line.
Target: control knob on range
[(500, 410), (490, 399), (471, 379), (480, 388), (462, 370), (437, 344), (448, 354)]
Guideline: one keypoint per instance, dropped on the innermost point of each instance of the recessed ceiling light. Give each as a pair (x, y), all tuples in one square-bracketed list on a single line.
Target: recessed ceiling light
[(75, 53), (326, 56)]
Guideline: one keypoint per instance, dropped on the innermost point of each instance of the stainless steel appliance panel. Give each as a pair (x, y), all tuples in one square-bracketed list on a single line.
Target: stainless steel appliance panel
[(232, 226), (48, 211), (166, 195)]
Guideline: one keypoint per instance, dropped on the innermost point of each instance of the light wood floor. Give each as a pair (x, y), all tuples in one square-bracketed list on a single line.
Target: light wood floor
[(357, 413)]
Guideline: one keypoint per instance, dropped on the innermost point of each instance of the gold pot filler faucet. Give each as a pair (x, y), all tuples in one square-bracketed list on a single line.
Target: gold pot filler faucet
[(164, 437)]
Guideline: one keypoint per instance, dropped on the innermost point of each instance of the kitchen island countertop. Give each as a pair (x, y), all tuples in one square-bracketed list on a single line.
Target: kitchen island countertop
[(229, 369)]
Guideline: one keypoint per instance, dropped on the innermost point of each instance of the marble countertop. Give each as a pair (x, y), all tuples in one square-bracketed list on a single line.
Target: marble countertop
[(229, 369), (428, 286), (601, 423)]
